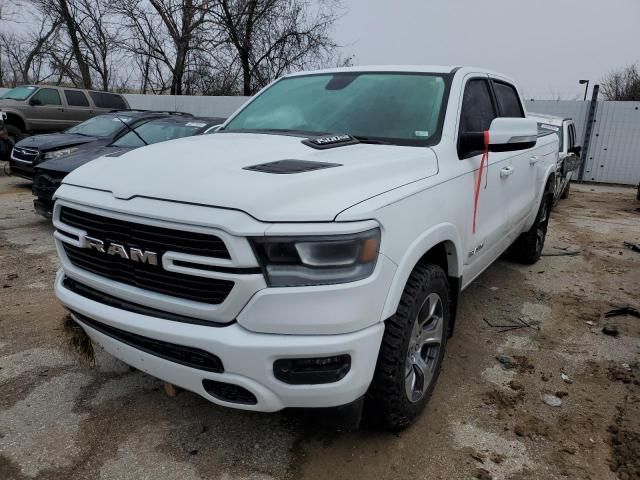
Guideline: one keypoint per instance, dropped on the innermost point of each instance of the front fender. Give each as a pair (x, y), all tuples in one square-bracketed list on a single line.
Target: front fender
[(12, 112), (445, 233)]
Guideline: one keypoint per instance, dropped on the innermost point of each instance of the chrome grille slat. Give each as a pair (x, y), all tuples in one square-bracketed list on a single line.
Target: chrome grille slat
[(148, 237), (200, 289)]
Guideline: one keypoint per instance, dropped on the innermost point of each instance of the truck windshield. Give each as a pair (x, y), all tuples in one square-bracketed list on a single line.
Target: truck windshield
[(19, 93), (100, 126), (397, 108)]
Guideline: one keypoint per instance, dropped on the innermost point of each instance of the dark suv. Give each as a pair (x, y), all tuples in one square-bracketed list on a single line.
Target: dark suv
[(37, 109)]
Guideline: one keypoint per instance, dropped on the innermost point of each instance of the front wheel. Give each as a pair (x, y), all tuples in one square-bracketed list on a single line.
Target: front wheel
[(412, 350), (528, 247)]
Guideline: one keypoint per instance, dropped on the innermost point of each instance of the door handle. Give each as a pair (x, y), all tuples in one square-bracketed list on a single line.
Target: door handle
[(534, 159), (506, 171)]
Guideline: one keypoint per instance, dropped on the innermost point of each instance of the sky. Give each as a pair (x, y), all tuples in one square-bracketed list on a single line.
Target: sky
[(545, 45)]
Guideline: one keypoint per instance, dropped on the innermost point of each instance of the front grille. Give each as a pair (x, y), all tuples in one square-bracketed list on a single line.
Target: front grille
[(229, 392), (149, 277), (189, 356), (44, 186), (149, 237), (25, 154)]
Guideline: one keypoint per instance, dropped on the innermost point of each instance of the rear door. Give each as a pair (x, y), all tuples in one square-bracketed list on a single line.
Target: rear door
[(521, 179), (78, 108)]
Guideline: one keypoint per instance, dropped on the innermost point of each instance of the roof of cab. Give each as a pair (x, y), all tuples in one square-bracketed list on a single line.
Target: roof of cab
[(438, 69)]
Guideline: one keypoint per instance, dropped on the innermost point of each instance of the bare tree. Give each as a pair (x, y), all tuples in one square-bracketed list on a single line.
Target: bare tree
[(622, 84), (167, 32), (272, 37)]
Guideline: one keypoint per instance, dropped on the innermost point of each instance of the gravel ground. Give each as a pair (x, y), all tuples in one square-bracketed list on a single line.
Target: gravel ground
[(62, 420)]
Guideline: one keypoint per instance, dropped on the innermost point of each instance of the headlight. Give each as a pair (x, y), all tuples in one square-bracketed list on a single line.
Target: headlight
[(60, 153), (311, 260)]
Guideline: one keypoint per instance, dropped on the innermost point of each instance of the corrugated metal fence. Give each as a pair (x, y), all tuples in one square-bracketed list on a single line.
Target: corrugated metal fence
[(613, 156), (614, 152)]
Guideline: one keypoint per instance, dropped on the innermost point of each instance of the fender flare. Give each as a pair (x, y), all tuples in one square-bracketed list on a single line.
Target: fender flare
[(12, 112), (443, 233), (549, 173)]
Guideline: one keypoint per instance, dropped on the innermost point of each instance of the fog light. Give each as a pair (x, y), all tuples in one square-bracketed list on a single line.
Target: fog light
[(311, 371)]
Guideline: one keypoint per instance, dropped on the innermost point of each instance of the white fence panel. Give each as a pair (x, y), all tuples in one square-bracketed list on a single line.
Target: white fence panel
[(196, 105), (614, 154)]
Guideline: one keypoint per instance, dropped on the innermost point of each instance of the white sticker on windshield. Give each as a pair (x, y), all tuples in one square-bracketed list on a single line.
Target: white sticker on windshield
[(196, 124), (121, 119), (31, 88), (421, 133)]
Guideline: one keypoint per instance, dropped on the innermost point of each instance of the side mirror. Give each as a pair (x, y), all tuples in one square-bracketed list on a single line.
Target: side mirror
[(505, 134), (510, 134), (34, 102)]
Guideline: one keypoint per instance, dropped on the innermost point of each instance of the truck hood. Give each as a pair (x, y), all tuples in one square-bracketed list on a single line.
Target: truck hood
[(54, 141), (212, 170)]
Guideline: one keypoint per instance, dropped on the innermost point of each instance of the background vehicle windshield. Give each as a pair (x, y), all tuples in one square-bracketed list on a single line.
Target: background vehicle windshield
[(19, 93), (100, 126), (394, 107), (158, 131)]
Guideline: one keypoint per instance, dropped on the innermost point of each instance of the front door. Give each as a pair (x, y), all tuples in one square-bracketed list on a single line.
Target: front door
[(490, 238), (46, 111)]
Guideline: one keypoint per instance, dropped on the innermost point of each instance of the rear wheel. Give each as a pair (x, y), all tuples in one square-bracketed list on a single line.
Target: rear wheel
[(528, 247), (412, 350)]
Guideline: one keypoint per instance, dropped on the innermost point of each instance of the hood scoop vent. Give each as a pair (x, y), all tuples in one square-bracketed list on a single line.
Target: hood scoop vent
[(291, 166)]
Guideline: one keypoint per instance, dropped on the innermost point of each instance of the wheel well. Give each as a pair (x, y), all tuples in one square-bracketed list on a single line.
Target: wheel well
[(15, 120), (444, 255)]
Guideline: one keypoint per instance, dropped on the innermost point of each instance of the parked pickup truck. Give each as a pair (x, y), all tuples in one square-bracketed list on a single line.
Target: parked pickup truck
[(569, 159), (38, 109), (311, 253)]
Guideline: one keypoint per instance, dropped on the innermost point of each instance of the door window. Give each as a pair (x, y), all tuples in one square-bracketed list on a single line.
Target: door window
[(478, 110), (47, 96), (508, 101), (76, 98)]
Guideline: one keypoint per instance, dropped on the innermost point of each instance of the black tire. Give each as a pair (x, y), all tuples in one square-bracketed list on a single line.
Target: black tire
[(528, 247), (14, 133), (565, 193), (388, 403)]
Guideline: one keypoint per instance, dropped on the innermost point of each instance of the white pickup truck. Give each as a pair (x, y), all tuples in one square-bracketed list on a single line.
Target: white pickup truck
[(312, 252), (569, 151)]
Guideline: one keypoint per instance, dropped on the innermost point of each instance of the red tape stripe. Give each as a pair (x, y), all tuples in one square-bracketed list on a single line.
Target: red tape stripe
[(485, 158)]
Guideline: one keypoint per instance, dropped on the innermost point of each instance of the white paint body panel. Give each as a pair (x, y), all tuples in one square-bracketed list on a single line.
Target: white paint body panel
[(419, 197)]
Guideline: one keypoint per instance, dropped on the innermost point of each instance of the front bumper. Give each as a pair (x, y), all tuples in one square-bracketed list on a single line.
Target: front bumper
[(247, 356)]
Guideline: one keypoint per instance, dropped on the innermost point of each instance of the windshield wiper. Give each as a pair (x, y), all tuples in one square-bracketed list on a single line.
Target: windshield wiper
[(130, 129), (373, 141)]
